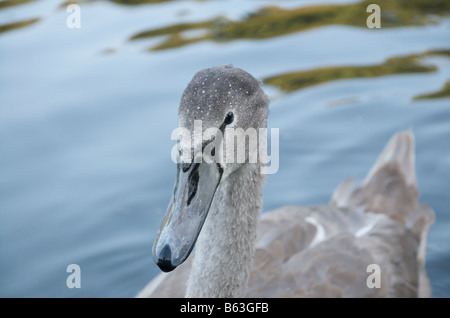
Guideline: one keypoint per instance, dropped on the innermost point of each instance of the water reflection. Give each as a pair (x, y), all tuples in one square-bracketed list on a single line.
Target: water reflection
[(273, 21), (396, 65), (443, 92), (85, 137), (17, 25), (121, 2), (11, 3)]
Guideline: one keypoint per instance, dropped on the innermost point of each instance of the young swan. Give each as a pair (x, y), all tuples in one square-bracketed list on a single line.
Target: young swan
[(323, 251)]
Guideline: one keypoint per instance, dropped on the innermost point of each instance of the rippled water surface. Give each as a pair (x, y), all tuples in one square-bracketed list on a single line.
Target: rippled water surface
[(86, 117)]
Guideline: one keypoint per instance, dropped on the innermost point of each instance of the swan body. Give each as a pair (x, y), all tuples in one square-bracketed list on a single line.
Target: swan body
[(318, 251)]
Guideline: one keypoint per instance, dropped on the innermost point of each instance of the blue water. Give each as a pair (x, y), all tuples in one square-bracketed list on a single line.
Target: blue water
[(85, 167)]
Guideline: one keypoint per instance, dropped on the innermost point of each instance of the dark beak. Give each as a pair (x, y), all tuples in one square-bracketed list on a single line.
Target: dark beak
[(193, 193)]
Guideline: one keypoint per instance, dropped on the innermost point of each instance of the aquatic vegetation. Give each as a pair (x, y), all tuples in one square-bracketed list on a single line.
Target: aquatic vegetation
[(397, 65), (17, 25), (274, 21), (443, 92)]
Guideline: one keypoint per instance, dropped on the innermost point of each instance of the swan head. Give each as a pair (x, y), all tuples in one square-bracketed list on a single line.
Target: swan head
[(216, 108)]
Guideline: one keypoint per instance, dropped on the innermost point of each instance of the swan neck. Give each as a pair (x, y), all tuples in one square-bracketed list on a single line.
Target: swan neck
[(225, 247)]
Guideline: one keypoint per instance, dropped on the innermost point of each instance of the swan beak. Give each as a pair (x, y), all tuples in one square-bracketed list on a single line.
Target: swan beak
[(193, 193)]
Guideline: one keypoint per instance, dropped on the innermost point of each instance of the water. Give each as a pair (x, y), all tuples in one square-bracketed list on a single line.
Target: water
[(86, 117)]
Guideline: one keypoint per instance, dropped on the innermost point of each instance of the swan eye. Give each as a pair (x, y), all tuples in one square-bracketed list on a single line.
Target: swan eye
[(229, 119)]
